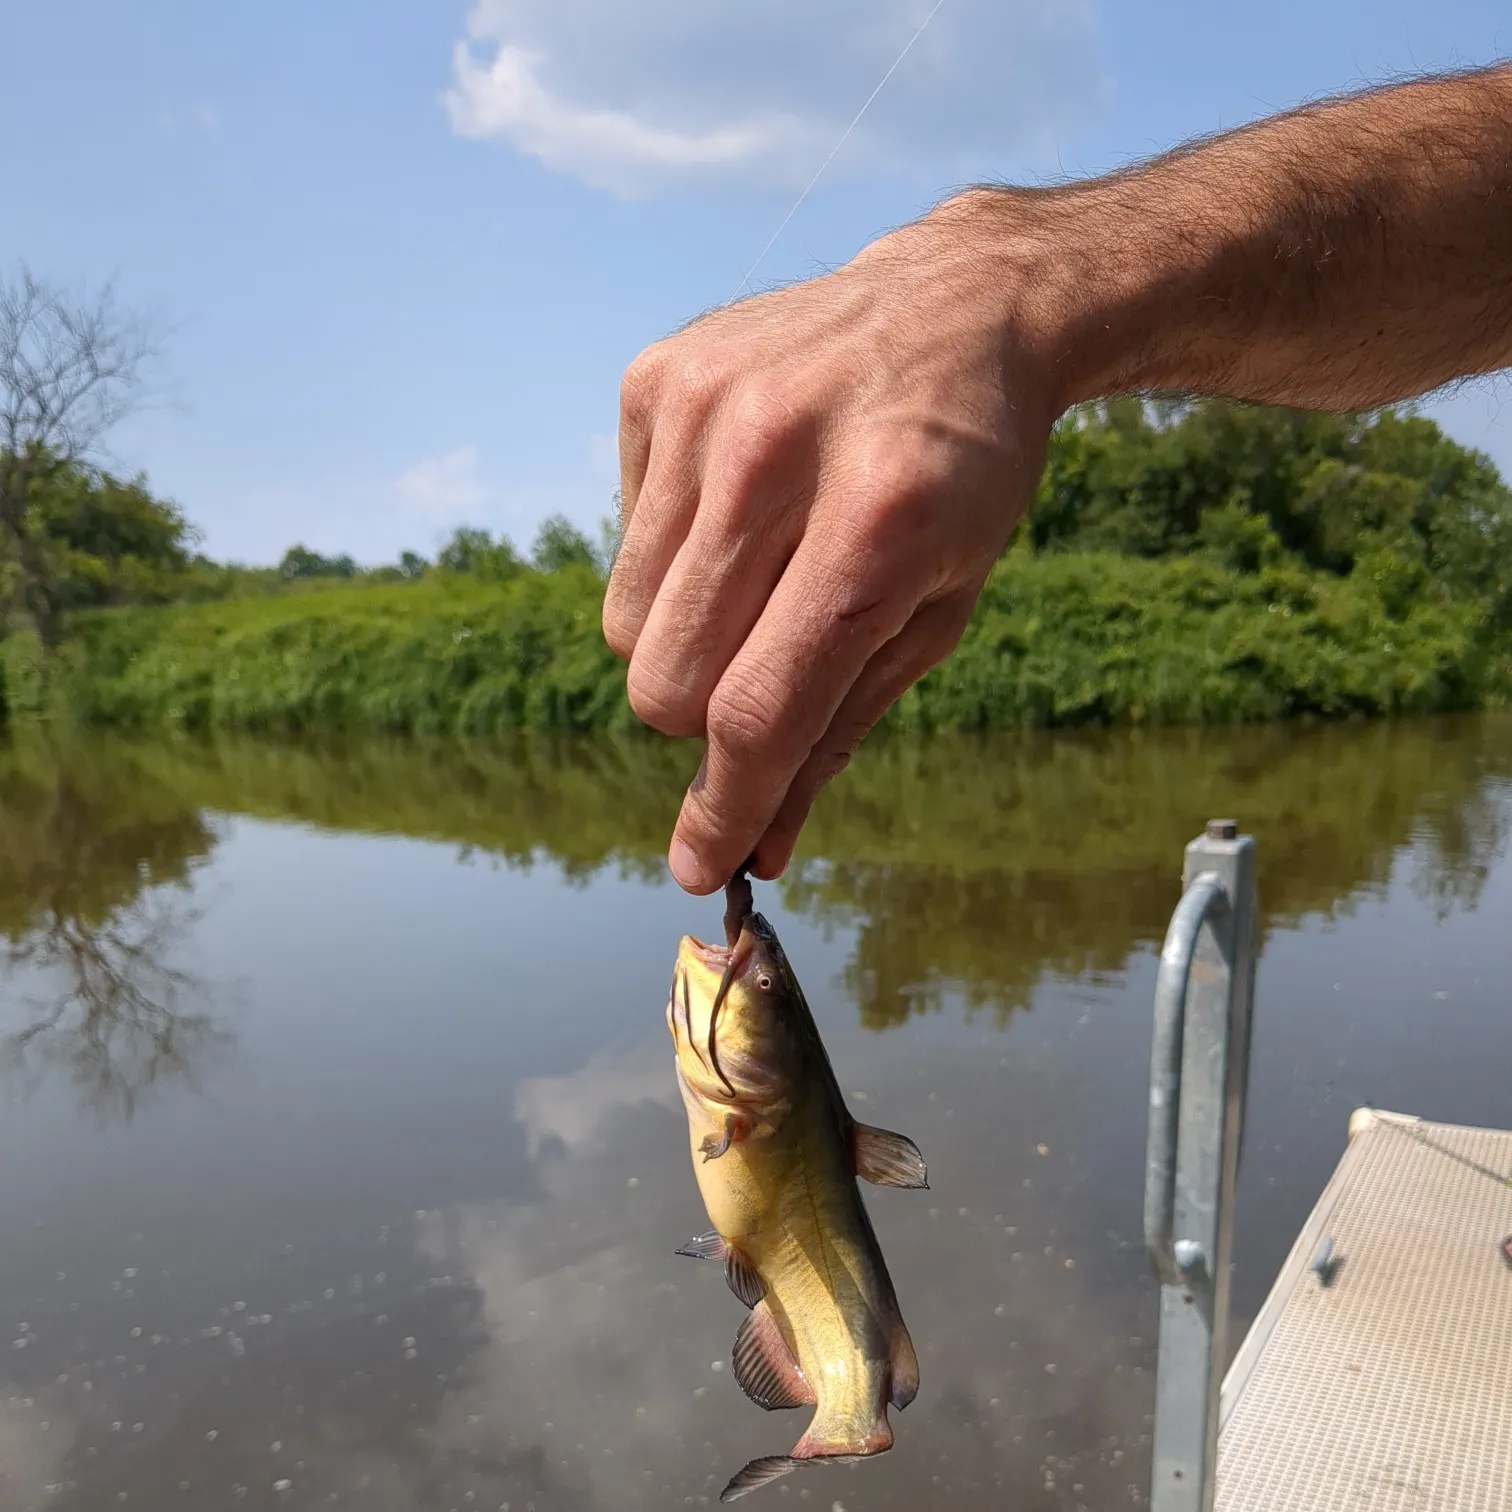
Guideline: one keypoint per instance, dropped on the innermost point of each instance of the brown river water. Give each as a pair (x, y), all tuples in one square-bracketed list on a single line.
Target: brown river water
[(340, 1157)]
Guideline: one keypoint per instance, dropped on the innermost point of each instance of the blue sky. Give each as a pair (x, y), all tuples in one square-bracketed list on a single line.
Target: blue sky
[(408, 248)]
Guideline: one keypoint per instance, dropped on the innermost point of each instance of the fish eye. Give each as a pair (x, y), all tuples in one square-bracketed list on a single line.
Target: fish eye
[(764, 981)]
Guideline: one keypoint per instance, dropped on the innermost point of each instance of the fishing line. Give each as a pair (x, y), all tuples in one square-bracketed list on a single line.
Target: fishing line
[(745, 278)]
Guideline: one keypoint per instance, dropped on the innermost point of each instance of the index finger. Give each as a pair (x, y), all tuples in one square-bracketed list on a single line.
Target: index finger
[(830, 612)]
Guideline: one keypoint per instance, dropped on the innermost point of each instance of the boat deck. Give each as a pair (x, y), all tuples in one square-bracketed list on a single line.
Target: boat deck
[(1385, 1383)]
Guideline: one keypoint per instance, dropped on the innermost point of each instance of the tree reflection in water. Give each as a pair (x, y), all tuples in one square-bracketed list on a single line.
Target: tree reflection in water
[(113, 1013), (968, 868), (95, 902)]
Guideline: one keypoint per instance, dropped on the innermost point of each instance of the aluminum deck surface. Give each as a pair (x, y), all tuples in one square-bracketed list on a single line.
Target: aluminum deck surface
[(1390, 1389)]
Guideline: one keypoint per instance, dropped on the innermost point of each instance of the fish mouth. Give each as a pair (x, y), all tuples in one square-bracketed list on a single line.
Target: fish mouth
[(715, 958), (727, 962)]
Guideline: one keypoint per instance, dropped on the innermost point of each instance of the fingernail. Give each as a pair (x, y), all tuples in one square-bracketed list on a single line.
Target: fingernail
[(687, 867)]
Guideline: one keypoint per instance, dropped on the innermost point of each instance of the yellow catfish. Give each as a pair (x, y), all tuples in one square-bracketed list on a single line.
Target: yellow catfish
[(777, 1155)]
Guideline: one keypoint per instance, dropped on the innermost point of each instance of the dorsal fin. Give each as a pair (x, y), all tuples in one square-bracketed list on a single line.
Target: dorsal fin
[(764, 1365), (887, 1159)]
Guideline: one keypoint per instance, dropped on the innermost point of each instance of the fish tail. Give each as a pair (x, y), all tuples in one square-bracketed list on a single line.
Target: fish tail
[(762, 1472), (758, 1473), (845, 1451)]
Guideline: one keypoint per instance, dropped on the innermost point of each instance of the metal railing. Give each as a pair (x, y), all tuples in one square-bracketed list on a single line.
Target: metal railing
[(1199, 1072)]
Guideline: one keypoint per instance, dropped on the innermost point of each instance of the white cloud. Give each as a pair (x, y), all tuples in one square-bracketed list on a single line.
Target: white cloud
[(445, 489), (606, 148), (642, 98), (572, 1110)]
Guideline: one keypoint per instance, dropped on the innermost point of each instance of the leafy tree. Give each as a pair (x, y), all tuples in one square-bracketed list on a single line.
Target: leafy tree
[(300, 562), (83, 539), (559, 543), (412, 565), (1251, 485), (475, 553), (70, 368)]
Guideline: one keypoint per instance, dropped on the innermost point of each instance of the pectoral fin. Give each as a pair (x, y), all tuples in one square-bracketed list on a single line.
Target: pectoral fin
[(764, 1365), (712, 1146), (743, 1277), (888, 1159), (703, 1247), (759, 1473)]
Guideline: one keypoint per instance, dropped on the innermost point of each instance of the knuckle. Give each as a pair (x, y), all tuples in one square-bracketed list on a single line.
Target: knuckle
[(744, 719), (758, 431), (694, 387), (642, 383), (895, 482), (660, 702)]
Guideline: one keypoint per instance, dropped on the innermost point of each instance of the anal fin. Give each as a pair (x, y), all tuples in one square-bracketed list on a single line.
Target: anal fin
[(759, 1473), (887, 1159), (764, 1365)]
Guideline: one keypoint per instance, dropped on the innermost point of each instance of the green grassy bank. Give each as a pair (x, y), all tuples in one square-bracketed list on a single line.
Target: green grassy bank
[(1206, 563), (1058, 639)]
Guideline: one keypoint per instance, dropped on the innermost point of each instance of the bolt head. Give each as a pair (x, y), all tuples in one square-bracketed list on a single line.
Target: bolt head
[(1188, 1254)]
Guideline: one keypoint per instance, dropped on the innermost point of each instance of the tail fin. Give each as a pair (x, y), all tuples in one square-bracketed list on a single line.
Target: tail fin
[(762, 1472), (758, 1473)]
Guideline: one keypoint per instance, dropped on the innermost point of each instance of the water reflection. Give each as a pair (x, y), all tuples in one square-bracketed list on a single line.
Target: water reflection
[(412, 1247), (978, 869), (970, 866), (95, 899)]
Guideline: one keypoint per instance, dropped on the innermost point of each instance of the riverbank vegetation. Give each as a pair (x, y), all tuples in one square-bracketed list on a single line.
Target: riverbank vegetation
[(960, 866), (1179, 564)]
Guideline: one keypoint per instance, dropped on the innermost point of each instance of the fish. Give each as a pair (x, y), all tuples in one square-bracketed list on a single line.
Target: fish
[(777, 1155)]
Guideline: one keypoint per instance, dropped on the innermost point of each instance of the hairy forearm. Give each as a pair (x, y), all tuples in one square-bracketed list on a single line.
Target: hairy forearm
[(1343, 256)]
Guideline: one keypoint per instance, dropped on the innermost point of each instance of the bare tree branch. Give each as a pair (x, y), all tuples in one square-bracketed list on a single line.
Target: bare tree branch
[(71, 368)]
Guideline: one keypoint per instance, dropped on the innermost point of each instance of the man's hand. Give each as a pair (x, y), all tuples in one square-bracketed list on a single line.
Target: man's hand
[(815, 484)]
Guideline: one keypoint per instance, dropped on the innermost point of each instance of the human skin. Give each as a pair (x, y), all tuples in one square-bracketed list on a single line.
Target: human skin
[(815, 482)]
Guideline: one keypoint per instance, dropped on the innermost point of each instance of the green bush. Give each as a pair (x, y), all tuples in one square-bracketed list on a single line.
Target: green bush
[(1062, 639), (449, 655), (1193, 563)]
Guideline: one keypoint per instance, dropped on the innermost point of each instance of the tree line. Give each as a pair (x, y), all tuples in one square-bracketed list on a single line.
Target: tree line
[(1384, 499)]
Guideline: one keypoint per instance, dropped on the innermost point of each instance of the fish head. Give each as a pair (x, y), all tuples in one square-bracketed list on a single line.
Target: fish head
[(736, 1015)]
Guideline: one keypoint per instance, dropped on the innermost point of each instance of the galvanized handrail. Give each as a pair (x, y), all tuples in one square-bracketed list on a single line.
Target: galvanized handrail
[(1206, 896), (1199, 1071)]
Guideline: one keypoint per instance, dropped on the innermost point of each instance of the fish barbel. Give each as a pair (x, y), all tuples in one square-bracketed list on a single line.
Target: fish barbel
[(777, 1155)]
